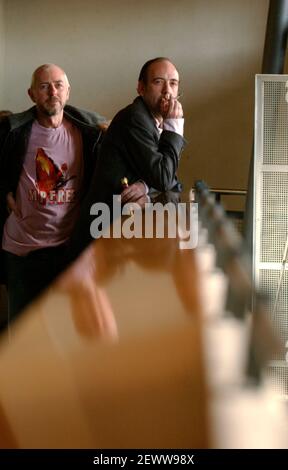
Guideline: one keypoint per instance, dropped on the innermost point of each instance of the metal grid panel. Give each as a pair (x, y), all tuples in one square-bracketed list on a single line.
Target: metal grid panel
[(271, 208), (279, 378), (274, 209), (275, 118), (268, 282)]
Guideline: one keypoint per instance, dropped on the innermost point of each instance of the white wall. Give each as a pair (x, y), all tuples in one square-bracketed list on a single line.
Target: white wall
[(2, 49), (216, 44)]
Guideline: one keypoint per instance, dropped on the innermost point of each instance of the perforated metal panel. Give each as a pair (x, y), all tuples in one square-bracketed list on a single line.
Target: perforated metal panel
[(275, 118), (274, 221), (271, 209)]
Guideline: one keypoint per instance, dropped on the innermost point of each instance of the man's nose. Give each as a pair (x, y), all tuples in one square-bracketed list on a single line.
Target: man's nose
[(167, 90), (52, 89)]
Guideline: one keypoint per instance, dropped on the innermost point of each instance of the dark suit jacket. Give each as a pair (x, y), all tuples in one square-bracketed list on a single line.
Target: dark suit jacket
[(133, 148)]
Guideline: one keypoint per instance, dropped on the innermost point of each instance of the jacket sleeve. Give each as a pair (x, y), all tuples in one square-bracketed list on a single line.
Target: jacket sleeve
[(4, 131), (154, 159)]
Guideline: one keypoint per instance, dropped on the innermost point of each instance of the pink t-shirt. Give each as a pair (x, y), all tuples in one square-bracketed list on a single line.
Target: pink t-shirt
[(48, 190)]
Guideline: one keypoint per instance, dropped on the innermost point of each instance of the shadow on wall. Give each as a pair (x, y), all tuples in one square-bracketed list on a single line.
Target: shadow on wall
[(219, 129)]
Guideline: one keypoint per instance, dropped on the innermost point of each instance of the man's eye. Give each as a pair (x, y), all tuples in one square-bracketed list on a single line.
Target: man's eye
[(158, 81)]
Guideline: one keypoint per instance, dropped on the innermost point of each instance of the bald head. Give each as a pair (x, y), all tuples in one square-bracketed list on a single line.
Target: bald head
[(50, 91), (143, 75), (46, 68)]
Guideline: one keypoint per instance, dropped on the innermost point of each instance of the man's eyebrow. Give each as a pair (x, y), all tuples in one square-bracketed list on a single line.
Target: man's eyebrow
[(53, 81), (169, 79)]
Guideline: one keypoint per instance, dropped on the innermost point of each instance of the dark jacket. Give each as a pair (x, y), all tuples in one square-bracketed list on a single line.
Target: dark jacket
[(133, 148), (14, 136)]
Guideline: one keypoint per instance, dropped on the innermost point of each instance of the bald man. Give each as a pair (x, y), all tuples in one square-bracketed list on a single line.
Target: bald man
[(47, 156), (142, 144), (145, 139)]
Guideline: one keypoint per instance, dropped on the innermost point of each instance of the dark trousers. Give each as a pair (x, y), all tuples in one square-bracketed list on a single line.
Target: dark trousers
[(28, 276)]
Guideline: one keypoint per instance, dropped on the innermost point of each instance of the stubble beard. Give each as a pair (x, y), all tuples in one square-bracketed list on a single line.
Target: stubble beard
[(52, 109)]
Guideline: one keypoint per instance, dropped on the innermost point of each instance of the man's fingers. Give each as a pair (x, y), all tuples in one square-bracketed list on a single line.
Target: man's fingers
[(143, 200), (179, 110), (130, 197), (133, 192), (126, 194), (175, 110), (171, 109)]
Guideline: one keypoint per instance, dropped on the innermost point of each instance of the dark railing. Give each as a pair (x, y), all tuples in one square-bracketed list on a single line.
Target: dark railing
[(233, 259), (236, 215)]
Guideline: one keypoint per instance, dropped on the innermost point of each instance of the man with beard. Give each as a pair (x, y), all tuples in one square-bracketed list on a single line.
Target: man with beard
[(47, 155)]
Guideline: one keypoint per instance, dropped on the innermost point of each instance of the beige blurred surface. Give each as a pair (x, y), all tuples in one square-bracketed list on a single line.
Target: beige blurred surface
[(111, 355)]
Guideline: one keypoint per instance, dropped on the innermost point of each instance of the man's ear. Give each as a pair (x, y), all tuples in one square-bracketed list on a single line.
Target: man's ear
[(68, 93), (30, 93), (140, 88)]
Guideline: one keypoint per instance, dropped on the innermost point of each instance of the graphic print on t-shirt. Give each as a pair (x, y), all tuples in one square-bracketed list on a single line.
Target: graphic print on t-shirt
[(50, 179)]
